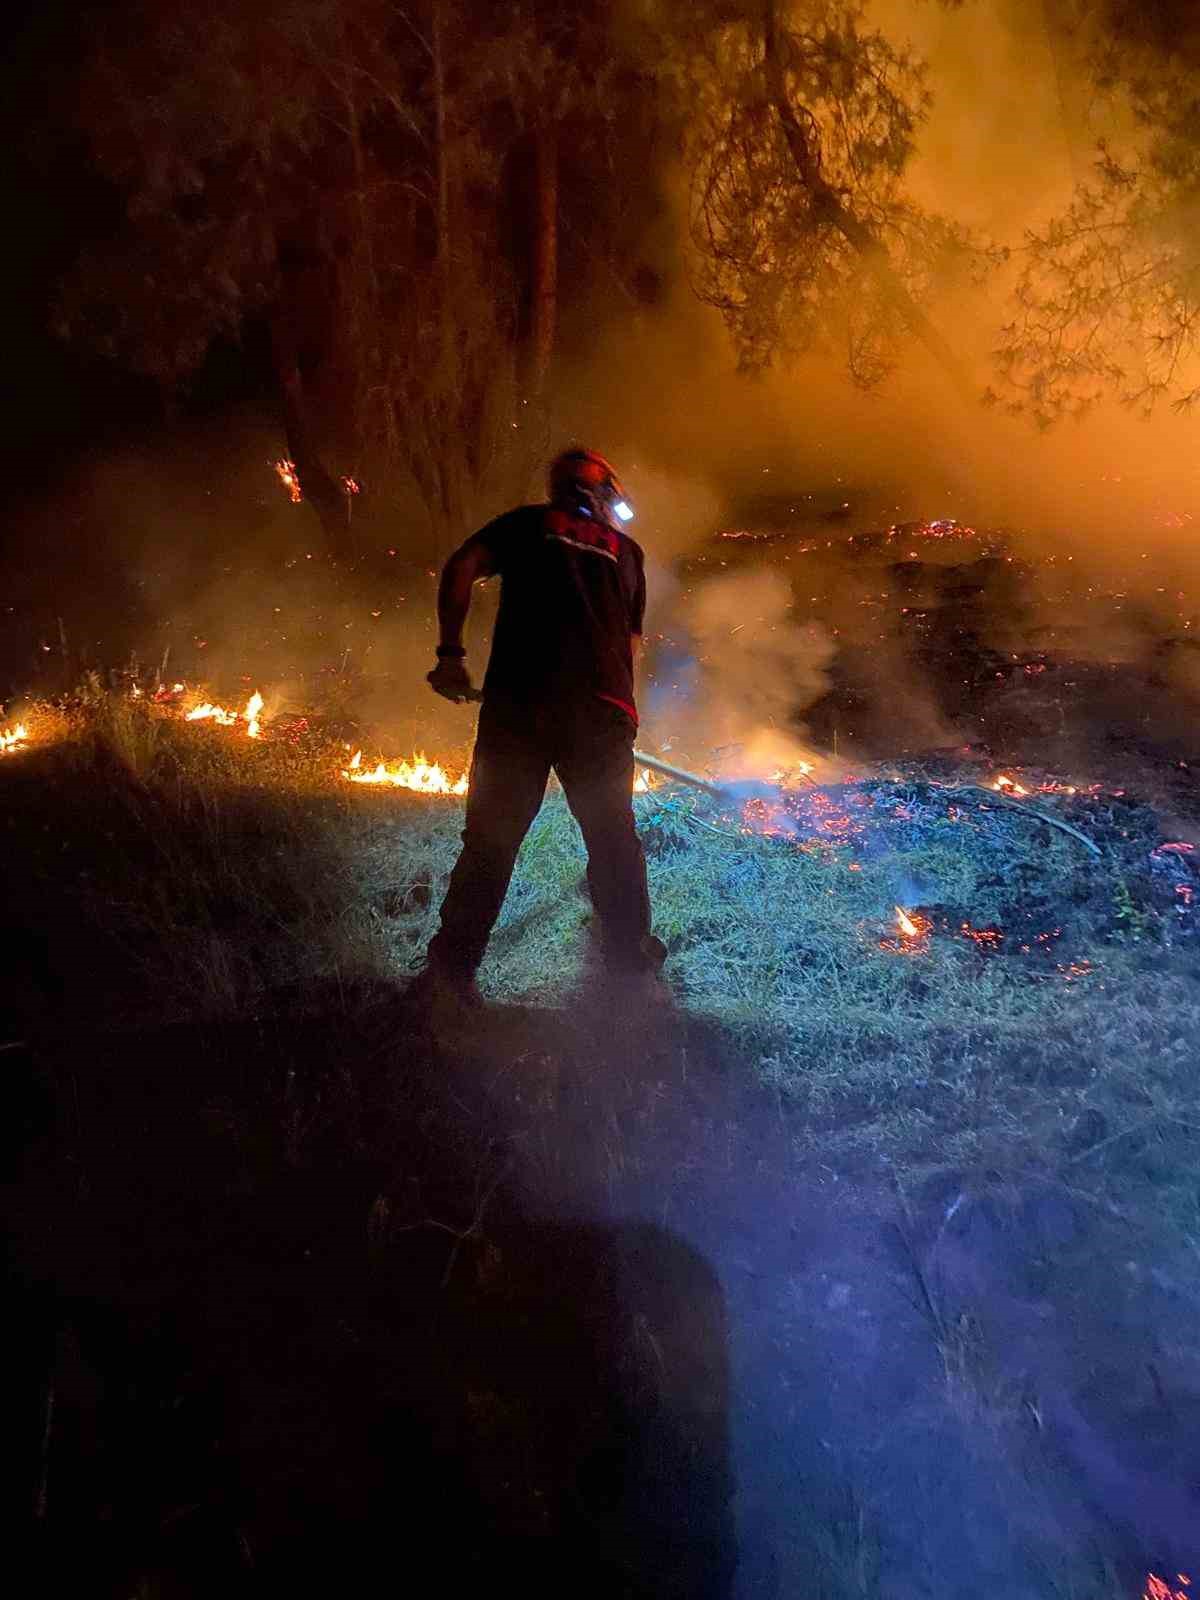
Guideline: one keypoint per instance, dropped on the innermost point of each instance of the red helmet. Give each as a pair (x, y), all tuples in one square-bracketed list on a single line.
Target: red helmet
[(582, 480)]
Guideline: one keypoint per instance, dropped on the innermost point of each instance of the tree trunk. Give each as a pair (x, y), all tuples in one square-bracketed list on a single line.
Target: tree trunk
[(442, 184), (830, 208), (322, 492), (545, 254), (445, 454), (364, 280)]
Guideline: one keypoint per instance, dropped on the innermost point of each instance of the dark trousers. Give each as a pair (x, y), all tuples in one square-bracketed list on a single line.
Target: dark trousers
[(589, 745)]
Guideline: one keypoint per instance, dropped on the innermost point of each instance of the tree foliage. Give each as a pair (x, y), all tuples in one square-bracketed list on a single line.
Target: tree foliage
[(803, 225), (202, 125), (1108, 291), (343, 172)]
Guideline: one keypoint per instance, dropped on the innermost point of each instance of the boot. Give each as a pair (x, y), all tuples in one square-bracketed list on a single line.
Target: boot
[(637, 982), (444, 993)]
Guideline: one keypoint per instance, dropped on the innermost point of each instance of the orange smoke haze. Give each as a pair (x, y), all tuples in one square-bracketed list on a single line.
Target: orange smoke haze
[(214, 554)]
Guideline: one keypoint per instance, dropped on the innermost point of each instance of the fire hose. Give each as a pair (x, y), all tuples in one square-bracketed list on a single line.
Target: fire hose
[(733, 792), (679, 775)]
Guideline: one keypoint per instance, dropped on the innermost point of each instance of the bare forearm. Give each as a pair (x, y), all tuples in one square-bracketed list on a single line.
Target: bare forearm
[(465, 567), (454, 601)]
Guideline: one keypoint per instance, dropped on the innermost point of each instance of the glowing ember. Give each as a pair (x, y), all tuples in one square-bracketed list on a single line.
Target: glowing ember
[(351, 486), (941, 528), (287, 477), (1071, 970), (812, 816), (419, 775), (1005, 783), (13, 738), (1159, 1589)]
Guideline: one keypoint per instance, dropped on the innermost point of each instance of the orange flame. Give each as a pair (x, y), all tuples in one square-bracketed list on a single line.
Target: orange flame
[(786, 777), (422, 776), (207, 712), (1006, 785), (419, 775), (13, 738), (250, 714), (288, 478), (912, 934)]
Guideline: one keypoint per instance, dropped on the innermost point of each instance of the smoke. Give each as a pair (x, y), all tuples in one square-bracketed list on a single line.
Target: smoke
[(1014, 124), (674, 513), (190, 546), (742, 674)]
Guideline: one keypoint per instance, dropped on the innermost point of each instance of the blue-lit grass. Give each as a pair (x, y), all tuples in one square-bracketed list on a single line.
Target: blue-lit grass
[(232, 878), (253, 867), (907, 1057)]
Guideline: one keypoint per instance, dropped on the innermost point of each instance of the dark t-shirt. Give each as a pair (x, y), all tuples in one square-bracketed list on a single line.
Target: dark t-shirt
[(572, 596)]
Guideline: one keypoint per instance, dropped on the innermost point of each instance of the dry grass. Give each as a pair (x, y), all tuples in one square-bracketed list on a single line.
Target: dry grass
[(241, 870)]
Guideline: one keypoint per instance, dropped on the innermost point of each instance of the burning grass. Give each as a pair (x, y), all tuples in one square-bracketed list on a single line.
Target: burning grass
[(924, 976), (419, 775)]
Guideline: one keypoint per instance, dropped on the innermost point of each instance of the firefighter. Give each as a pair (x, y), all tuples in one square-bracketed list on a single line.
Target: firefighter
[(558, 695)]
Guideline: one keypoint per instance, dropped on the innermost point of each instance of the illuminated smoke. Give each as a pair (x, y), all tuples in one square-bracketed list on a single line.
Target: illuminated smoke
[(745, 676)]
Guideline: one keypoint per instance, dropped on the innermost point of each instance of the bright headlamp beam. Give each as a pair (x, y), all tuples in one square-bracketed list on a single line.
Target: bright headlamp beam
[(624, 510)]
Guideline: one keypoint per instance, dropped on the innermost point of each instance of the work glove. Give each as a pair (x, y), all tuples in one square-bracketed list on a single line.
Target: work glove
[(452, 681)]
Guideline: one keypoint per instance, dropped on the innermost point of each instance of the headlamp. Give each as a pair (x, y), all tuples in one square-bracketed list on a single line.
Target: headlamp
[(624, 510)]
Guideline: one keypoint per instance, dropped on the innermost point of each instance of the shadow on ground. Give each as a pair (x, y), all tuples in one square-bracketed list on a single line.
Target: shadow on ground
[(319, 1301), (288, 1324)]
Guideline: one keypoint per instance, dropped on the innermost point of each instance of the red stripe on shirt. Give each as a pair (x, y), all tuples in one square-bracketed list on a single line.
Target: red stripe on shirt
[(623, 704)]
